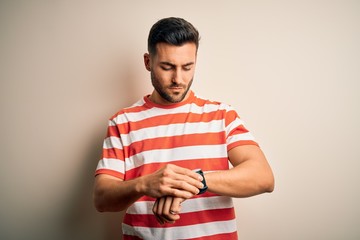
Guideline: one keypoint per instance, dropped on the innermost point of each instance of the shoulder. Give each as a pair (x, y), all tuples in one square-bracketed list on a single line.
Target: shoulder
[(137, 107), (201, 101)]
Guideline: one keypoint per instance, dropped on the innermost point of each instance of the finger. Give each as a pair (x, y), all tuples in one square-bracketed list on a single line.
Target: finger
[(182, 179), (167, 216), (160, 206), (163, 208), (187, 172), (167, 205), (190, 181), (155, 210), (159, 220), (178, 188), (176, 206), (184, 187), (183, 174)]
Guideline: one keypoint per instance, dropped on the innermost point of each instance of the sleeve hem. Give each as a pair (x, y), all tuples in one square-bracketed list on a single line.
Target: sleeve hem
[(241, 143), (110, 172)]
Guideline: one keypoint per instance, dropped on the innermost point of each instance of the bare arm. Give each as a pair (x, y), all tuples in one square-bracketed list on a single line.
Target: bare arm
[(113, 194), (251, 174)]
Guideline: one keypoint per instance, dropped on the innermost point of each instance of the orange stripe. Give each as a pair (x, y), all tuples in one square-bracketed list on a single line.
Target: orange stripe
[(206, 194), (197, 139), (113, 131), (186, 219), (241, 143), (133, 109), (113, 153), (175, 141), (230, 117), (239, 130), (129, 237), (109, 172), (210, 164), (167, 119), (227, 236)]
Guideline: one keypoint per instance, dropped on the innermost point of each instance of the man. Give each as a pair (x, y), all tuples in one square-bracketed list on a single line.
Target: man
[(153, 148)]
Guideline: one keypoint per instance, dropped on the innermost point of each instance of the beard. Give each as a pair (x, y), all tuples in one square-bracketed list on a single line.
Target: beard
[(167, 95)]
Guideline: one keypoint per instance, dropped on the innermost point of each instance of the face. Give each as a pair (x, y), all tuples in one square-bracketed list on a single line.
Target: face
[(172, 71)]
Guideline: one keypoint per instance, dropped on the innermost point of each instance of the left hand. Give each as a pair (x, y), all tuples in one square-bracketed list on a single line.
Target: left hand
[(166, 209)]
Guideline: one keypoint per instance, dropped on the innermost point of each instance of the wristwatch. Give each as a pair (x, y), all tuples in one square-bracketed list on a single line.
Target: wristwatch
[(202, 190)]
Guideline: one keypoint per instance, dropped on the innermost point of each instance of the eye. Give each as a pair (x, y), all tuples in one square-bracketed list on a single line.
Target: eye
[(187, 68), (166, 68)]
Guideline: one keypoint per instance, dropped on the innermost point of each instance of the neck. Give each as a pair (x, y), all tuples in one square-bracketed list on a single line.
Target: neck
[(156, 98)]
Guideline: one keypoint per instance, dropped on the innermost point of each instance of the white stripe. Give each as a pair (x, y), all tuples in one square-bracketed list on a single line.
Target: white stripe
[(185, 232), (208, 203), (190, 205), (240, 137), (153, 112), (112, 142), (112, 123), (172, 130), (112, 164), (143, 207), (234, 124), (176, 154)]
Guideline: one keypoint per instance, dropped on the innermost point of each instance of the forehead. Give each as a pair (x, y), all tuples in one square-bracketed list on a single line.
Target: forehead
[(175, 54)]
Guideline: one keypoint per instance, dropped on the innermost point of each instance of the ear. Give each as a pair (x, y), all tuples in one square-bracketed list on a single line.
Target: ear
[(147, 61)]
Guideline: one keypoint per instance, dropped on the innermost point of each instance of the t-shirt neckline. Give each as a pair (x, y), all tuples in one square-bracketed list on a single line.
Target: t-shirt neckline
[(151, 104)]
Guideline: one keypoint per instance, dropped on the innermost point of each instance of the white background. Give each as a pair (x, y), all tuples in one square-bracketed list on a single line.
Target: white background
[(290, 68)]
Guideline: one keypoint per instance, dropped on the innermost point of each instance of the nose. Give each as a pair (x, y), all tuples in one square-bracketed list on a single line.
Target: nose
[(177, 77)]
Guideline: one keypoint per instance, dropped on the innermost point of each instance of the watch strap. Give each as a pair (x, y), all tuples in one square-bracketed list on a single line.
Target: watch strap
[(202, 190)]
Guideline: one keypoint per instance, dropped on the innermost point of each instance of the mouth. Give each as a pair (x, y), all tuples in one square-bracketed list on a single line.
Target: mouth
[(176, 88)]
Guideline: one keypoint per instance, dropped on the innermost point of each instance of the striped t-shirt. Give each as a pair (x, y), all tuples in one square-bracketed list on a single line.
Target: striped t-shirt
[(195, 133)]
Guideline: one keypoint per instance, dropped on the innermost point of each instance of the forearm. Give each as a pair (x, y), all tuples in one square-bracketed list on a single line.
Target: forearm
[(111, 195), (250, 176), (233, 183)]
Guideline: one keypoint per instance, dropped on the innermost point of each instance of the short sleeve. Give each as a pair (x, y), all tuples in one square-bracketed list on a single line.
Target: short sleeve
[(236, 132), (112, 159)]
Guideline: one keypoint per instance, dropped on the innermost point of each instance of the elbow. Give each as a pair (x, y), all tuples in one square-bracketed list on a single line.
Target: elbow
[(99, 207), (264, 183), (99, 200), (97, 203), (269, 187), (268, 184)]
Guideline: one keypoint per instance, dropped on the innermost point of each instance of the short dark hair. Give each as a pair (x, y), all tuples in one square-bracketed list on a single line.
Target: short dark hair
[(174, 31)]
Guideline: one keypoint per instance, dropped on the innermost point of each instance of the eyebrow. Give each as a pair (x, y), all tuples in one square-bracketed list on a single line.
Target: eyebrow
[(173, 65)]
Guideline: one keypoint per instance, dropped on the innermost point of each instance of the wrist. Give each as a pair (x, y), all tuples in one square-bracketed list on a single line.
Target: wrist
[(140, 186)]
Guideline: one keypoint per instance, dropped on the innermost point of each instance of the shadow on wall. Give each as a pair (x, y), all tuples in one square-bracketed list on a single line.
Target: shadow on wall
[(82, 221)]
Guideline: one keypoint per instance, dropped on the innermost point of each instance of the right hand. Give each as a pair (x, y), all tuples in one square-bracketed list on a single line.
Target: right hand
[(172, 180), (167, 209)]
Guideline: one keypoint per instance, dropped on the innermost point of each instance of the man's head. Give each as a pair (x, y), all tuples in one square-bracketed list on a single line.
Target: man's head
[(172, 44), (173, 31)]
